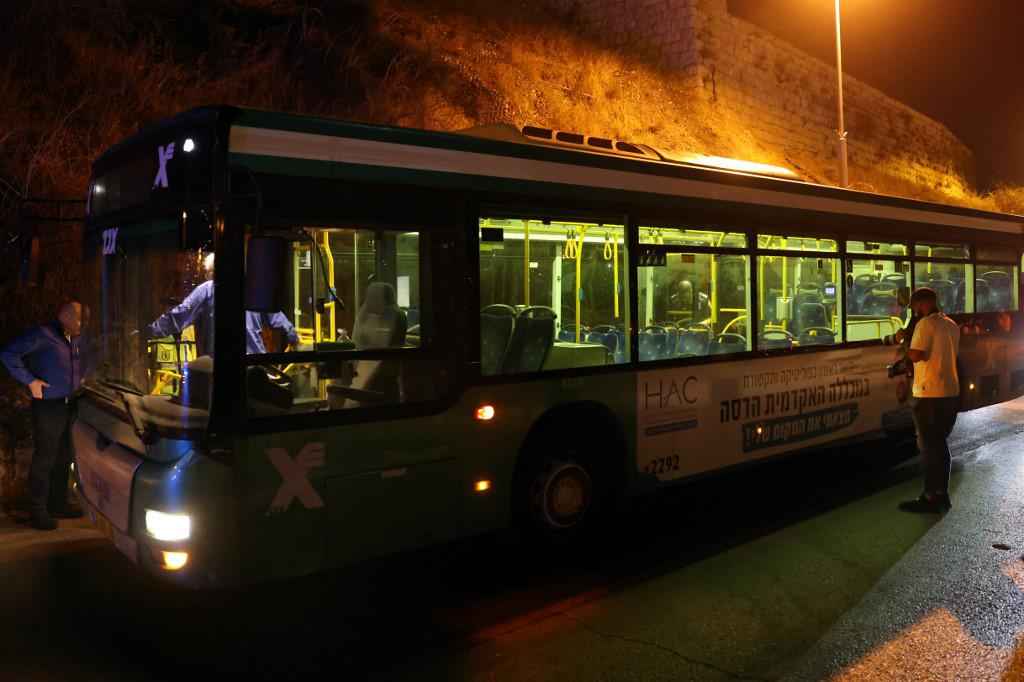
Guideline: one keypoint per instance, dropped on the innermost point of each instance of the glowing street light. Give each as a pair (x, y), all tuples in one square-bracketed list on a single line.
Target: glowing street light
[(844, 173)]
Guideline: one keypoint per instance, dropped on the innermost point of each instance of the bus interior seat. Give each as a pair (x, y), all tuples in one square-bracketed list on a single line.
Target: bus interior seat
[(412, 316), (531, 341), (568, 333), (806, 296), (817, 336), (897, 279), (879, 302), (983, 294), (811, 315), (694, 342), (999, 284), (671, 339), (728, 343), (380, 323), (496, 324), (652, 343), (620, 352), (861, 285), (606, 336), (775, 339), (946, 292)]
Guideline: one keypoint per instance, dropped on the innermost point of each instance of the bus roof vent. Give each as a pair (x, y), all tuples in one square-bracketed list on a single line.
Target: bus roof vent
[(539, 133), (580, 141)]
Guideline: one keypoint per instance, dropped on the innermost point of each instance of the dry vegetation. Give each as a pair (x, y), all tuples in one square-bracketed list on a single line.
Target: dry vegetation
[(79, 76)]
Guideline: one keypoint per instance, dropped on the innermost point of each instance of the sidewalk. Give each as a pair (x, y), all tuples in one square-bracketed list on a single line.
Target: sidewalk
[(19, 540), (953, 606)]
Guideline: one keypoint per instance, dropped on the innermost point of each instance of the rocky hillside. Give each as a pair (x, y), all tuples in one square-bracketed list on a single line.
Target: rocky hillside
[(75, 77)]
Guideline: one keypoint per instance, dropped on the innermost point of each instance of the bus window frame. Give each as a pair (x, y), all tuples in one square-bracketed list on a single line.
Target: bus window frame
[(827, 255), (662, 222), (848, 259), (432, 347), (554, 213)]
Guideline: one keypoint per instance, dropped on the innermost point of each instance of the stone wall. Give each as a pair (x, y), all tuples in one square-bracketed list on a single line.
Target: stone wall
[(786, 98)]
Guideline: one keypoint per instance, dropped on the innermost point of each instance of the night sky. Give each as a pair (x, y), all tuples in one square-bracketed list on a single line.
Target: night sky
[(958, 61)]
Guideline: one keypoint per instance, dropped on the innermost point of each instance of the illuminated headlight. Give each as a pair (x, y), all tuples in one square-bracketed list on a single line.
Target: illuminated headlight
[(168, 526)]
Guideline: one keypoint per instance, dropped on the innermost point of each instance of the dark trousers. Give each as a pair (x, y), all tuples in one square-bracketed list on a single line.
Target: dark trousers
[(934, 419), (51, 461)]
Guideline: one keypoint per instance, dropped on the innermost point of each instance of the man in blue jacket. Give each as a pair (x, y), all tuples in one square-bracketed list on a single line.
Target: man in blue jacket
[(47, 360), (197, 310)]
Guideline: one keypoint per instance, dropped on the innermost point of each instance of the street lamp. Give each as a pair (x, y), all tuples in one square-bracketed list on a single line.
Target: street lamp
[(844, 173)]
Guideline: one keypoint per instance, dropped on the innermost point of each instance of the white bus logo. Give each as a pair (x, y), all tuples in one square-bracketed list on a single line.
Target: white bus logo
[(110, 241), (164, 154), (294, 475)]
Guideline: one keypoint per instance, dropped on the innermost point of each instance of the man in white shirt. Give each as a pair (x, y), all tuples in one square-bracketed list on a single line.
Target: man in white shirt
[(933, 350)]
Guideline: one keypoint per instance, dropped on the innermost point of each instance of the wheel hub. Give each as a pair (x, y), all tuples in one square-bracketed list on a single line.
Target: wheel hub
[(566, 495)]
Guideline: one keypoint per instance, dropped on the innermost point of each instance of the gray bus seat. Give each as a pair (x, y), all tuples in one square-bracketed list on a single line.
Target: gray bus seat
[(531, 340), (380, 323), (496, 324)]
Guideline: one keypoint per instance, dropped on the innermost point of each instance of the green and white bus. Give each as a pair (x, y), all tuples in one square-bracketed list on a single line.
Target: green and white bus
[(422, 336)]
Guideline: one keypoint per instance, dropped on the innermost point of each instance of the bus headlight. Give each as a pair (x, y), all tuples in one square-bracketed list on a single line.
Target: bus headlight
[(168, 527)]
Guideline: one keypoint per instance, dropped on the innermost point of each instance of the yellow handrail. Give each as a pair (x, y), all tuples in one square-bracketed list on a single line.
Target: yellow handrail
[(579, 273), (615, 273)]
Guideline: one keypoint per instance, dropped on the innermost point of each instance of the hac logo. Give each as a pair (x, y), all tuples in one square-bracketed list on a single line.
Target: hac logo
[(164, 154), (672, 393)]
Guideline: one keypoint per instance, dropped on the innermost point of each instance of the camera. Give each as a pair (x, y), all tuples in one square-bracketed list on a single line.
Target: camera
[(901, 367)]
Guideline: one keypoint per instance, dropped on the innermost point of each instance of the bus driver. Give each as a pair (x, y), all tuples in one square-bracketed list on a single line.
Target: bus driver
[(197, 310)]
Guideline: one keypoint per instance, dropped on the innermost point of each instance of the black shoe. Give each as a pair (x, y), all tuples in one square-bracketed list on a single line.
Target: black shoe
[(43, 522), (68, 512), (926, 504)]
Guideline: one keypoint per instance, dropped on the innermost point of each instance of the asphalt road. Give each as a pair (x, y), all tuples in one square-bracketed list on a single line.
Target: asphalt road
[(804, 571)]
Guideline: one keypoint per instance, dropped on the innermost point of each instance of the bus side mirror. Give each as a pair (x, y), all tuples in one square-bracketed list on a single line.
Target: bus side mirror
[(266, 263)]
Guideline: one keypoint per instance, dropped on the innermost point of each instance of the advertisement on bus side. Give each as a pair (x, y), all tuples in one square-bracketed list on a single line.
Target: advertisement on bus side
[(696, 419)]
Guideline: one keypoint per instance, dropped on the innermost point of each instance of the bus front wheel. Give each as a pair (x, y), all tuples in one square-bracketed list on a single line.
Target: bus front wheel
[(561, 497)]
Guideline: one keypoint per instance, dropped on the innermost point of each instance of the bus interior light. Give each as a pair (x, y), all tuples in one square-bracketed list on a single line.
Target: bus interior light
[(174, 561), (485, 413), (971, 387), (189, 146), (482, 486), (168, 527)]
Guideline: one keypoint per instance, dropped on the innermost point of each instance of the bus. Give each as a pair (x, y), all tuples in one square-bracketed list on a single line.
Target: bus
[(422, 336)]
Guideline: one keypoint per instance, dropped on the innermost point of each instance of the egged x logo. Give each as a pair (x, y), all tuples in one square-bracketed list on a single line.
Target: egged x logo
[(294, 475), (164, 154)]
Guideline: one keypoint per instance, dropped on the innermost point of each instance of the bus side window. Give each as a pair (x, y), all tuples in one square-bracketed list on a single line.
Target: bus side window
[(873, 309), (552, 295), (693, 304), (357, 290), (800, 301)]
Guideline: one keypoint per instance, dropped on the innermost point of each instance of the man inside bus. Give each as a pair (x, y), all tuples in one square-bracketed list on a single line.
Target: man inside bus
[(197, 310), (936, 391), (47, 360)]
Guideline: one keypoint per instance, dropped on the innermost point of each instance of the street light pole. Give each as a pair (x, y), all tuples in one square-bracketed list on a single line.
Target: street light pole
[(844, 173)]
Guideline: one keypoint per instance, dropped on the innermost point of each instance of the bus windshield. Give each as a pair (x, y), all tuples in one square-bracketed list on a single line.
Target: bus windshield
[(153, 342)]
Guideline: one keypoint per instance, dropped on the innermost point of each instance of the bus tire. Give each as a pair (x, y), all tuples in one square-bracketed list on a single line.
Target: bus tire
[(563, 494)]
